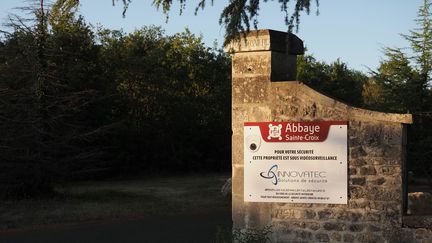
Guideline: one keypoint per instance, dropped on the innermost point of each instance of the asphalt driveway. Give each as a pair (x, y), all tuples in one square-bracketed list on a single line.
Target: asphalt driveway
[(197, 227)]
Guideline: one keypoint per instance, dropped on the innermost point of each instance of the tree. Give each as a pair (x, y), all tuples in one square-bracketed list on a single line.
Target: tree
[(394, 86), (48, 92), (174, 100), (402, 84), (74, 103), (239, 15), (403, 79), (421, 44), (334, 79)]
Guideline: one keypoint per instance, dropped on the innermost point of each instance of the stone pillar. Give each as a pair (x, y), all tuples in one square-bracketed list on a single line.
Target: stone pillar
[(258, 58)]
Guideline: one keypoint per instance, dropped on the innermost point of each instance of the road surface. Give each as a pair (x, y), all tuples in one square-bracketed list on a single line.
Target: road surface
[(197, 227)]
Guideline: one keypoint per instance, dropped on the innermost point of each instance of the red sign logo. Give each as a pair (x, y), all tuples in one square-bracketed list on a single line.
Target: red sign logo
[(316, 131)]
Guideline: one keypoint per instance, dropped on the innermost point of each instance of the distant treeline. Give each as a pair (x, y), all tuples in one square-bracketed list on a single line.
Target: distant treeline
[(78, 103)]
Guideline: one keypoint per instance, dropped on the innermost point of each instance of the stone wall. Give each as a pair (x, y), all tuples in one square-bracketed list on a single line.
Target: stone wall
[(376, 143)]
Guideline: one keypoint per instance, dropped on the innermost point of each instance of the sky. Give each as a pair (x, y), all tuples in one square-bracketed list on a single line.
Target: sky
[(353, 30)]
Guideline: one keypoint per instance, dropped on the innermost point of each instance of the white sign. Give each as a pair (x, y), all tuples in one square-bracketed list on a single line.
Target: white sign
[(296, 162)]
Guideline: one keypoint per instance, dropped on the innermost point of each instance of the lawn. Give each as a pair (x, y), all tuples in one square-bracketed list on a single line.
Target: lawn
[(114, 199)]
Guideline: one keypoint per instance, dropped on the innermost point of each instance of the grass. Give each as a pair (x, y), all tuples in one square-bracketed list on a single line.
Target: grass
[(101, 200)]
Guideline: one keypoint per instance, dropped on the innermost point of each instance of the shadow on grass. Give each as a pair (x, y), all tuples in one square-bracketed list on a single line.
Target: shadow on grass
[(108, 195), (104, 200)]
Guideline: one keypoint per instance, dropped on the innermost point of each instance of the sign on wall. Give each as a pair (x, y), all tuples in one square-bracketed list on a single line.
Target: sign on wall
[(296, 162)]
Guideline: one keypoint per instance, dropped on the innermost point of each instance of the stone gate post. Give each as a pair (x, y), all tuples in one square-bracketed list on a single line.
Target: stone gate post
[(264, 91)]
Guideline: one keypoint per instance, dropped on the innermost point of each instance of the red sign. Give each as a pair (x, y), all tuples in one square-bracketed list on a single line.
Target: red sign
[(316, 131)]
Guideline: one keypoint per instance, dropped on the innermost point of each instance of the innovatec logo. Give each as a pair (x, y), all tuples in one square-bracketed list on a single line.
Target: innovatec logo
[(276, 175), (271, 175)]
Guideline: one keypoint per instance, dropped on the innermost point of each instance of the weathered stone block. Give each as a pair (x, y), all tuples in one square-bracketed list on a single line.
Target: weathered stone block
[(324, 214), (353, 140), (300, 224), (354, 216), (250, 90), (393, 152), (356, 227), (335, 236), (393, 181), (397, 234), (285, 112), (237, 145), (358, 203), (309, 111), (322, 237), (251, 64), (376, 181), (283, 227), (359, 181), (357, 162), (383, 193), (384, 205), (238, 178), (340, 214), (334, 226), (256, 215), (260, 113), (369, 238), (371, 134), (357, 152), (295, 214), (367, 170), (356, 192), (352, 171), (373, 215), (389, 170), (240, 114), (373, 228), (314, 226), (303, 235), (348, 238), (393, 216), (393, 134), (374, 151), (299, 205), (386, 161)]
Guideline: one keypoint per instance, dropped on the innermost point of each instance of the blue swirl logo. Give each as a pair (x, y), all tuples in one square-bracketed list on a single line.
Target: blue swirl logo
[(270, 174)]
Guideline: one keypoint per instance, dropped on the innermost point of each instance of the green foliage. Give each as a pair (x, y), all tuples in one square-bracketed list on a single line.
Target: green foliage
[(75, 104), (421, 42), (174, 91), (395, 86), (335, 79), (48, 86), (403, 81), (239, 15), (62, 13), (402, 84)]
